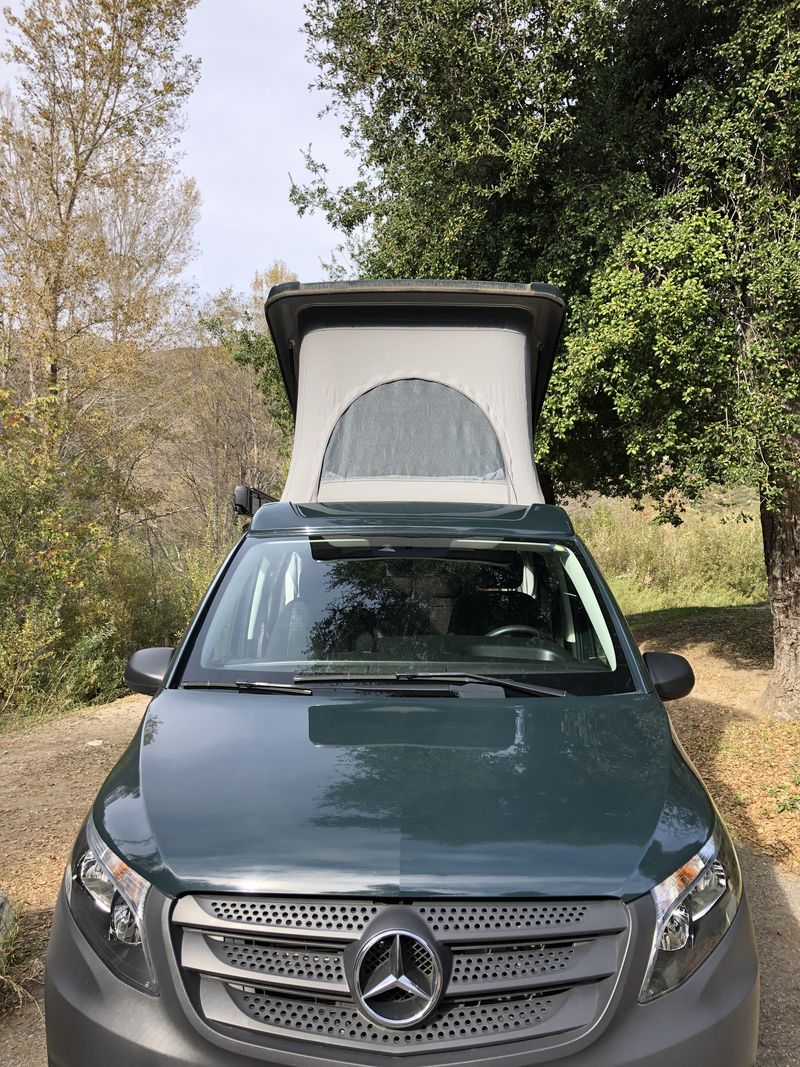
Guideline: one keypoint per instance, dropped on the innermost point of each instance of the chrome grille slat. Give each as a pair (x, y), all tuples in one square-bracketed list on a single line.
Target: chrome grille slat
[(457, 1026), (310, 969), (458, 922), (324, 919), (452, 923), (532, 967)]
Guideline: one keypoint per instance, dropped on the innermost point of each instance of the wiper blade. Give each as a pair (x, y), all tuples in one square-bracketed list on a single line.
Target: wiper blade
[(343, 679), (449, 677), (509, 684), (384, 683), (245, 686)]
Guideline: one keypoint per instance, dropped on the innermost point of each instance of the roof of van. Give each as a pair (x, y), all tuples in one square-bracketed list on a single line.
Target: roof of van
[(495, 520), (292, 308)]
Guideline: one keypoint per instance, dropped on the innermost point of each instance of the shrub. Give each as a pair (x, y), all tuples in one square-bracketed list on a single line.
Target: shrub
[(77, 596)]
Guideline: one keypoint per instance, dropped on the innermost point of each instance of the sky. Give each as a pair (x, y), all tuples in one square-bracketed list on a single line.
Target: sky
[(248, 122)]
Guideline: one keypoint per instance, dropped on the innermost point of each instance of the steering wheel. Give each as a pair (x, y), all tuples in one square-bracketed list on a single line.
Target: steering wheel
[(513, 628)]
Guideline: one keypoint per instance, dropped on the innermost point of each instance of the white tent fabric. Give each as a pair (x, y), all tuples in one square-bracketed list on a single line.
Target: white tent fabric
[(426, 413)]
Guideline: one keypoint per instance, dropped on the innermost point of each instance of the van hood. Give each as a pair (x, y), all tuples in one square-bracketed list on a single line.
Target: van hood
[(399, 797)]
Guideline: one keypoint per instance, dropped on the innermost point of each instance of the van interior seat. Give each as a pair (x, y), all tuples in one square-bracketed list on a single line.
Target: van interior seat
[(290, 636), (480, 612)]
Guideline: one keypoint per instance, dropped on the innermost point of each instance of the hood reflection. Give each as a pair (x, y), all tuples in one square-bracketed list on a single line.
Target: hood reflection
[(403, 722)]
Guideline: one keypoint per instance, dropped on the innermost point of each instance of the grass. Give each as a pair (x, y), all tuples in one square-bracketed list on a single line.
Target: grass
[(22, 942), (715, 558), (788, 794)]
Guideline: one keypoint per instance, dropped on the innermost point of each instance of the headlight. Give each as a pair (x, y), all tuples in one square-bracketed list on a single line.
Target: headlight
[(107, 900), (694, 909)]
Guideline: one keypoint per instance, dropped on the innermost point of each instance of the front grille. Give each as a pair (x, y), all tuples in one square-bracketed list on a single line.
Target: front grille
[(537, 970), (500, 919), (290, 915)]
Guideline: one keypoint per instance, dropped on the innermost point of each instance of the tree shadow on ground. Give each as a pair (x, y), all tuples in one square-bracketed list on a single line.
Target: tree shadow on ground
[(741, 636), (774, 896)]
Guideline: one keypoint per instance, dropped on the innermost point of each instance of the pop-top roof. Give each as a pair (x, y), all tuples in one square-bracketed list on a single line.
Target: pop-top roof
[(415, 390)]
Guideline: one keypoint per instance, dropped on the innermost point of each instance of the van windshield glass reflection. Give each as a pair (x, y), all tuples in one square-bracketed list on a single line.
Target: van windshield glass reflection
[(385, 605)]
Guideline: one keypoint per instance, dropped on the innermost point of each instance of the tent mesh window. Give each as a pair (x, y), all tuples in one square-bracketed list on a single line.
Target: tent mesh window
[(413, 428)]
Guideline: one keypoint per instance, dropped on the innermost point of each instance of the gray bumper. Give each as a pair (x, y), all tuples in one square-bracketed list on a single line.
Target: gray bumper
[(96, 1020)]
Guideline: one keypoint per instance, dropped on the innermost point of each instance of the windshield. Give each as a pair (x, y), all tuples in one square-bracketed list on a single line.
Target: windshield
[(382, 605)]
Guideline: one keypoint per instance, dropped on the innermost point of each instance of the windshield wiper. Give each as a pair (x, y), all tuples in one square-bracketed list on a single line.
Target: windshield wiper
[(450, 677), (245, 686), (509, 684)]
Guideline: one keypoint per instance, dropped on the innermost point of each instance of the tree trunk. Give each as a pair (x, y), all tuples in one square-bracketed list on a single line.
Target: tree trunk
[(782, 551)]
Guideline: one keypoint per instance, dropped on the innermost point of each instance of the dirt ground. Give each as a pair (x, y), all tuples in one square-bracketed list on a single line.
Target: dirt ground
[(50, 773)]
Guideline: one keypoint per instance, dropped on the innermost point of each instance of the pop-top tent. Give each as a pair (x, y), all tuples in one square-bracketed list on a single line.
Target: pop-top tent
[(415, 390)]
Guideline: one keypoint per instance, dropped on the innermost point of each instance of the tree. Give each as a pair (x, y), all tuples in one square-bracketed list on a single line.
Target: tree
[(96, 223), (223, 433), (97, 107), (238, 325), (143, 221), (691, 329), (96, 228), (458, 114), (642, 156)]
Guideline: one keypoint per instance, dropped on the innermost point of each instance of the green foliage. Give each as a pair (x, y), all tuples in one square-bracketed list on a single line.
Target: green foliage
[(685, 351), (50, 540), (646, 406), (458, 114), (48, 536), (45, 527), (42, 673), (77, 596), (710, 560), (233, 329)]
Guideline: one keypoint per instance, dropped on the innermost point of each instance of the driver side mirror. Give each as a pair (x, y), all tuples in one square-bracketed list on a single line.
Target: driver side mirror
[(146, 668), (672, 675)]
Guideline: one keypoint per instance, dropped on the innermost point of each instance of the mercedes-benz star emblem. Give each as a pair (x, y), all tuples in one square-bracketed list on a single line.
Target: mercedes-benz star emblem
[(398, 978)]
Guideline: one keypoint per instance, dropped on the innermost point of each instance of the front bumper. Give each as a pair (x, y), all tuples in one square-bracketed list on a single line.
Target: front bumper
[(96, 1020)]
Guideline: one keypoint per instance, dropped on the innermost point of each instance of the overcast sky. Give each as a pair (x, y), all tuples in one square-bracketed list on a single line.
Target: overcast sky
[(248, 122)]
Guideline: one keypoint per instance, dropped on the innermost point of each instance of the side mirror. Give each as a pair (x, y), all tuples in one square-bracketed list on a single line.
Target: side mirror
[(672, 675), (247, 501), (146, 668)]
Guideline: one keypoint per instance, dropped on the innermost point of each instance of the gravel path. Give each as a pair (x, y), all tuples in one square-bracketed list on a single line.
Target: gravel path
[(50, 773)]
